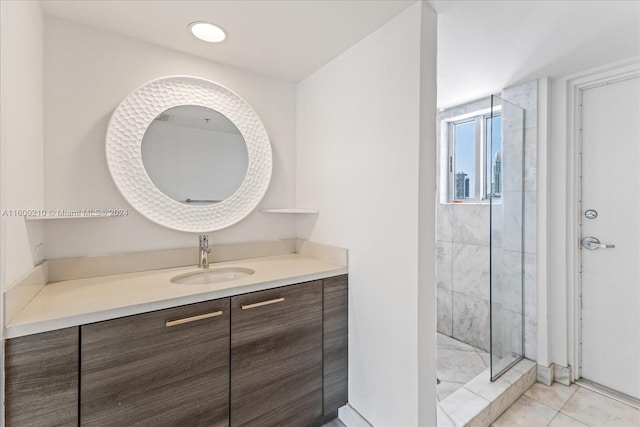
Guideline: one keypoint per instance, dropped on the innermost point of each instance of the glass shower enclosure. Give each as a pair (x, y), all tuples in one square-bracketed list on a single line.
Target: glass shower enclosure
[(504, 174)]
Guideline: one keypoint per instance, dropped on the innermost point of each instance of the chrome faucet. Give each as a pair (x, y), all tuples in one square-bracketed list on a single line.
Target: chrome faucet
[(203, 261)]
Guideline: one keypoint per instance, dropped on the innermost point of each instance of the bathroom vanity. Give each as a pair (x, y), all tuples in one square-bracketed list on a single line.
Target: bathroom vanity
[(258, 340), (259, 350)]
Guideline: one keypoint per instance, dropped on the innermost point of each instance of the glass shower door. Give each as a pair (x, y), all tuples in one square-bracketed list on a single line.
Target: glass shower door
[(504, 180)]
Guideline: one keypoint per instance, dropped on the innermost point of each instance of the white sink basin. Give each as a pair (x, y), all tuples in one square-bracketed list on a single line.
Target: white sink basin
[(214, 275)]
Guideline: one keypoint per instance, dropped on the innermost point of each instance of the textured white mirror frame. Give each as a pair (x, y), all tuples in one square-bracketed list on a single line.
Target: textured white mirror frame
[(128, 125)]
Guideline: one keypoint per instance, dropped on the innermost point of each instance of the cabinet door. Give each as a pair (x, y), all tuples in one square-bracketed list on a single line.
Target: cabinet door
[(41, 382), (164, 368), (276, 356), (336, 343)]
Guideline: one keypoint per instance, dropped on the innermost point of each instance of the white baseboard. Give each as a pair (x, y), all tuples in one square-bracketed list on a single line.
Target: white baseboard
[(562, 374), (544, 374), (352, 418), (553, 373)]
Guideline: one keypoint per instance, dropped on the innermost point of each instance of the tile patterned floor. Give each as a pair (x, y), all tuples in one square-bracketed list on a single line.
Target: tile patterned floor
[(458, 363), (540, 406), (562, 406)]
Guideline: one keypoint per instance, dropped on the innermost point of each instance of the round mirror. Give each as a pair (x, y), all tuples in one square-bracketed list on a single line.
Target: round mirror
[(189, 154), (194, 155)]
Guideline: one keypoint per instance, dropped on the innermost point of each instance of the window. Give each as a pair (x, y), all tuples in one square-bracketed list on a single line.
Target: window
[(494, 156), (474, 146)]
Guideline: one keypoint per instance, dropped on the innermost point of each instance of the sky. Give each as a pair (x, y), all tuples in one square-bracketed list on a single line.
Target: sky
[(465, 148)]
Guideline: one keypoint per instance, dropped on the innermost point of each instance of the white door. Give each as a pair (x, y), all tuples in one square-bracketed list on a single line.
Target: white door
[(611, 276)]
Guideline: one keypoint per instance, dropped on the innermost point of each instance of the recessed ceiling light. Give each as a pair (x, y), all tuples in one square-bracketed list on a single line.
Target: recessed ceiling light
[(208, 32)]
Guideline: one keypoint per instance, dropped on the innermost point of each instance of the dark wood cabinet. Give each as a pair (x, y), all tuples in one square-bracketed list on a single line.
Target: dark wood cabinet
[(164, 368), (336, 344), (276, 356), (41, 382)]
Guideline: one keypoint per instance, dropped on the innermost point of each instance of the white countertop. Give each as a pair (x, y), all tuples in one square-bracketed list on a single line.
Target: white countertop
[(81, 301)]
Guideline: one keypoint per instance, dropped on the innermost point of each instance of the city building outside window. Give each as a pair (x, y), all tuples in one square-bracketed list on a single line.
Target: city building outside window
[(474, 148)]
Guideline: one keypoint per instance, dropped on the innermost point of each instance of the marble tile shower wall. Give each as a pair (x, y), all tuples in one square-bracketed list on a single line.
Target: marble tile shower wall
[(463, 273), (526, 96), (464, 253)]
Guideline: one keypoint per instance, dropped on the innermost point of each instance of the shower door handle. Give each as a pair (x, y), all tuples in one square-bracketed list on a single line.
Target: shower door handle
[(593, 243)]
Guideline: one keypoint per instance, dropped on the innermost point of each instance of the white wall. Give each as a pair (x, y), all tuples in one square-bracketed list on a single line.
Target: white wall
[(21, 148), (359, 139), (426, 221), (88, 72), (557, 280), (22, 133)]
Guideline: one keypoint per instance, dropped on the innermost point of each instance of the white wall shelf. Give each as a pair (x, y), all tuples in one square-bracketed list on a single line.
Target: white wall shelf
[(290, 211)]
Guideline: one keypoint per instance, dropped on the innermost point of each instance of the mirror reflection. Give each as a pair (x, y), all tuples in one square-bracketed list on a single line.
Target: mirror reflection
[(194, 155)]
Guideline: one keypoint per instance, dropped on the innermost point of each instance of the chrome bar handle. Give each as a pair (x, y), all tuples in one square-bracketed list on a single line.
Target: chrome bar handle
[(262, 303), (176, 322), (593, 243)]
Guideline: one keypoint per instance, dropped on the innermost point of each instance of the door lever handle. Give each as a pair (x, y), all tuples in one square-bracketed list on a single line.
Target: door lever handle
[(593, 243)]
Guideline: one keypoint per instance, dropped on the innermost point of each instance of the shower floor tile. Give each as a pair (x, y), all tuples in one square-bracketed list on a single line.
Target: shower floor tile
[(445, 388), (449, 343), (457, 364)]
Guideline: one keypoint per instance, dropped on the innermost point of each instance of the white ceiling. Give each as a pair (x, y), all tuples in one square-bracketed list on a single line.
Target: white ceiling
[(484, 46), (287, 39)]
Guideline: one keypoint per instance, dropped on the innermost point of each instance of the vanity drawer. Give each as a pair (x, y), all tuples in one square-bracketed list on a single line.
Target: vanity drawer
[(168, 367), (276, 356), (41, 384)]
